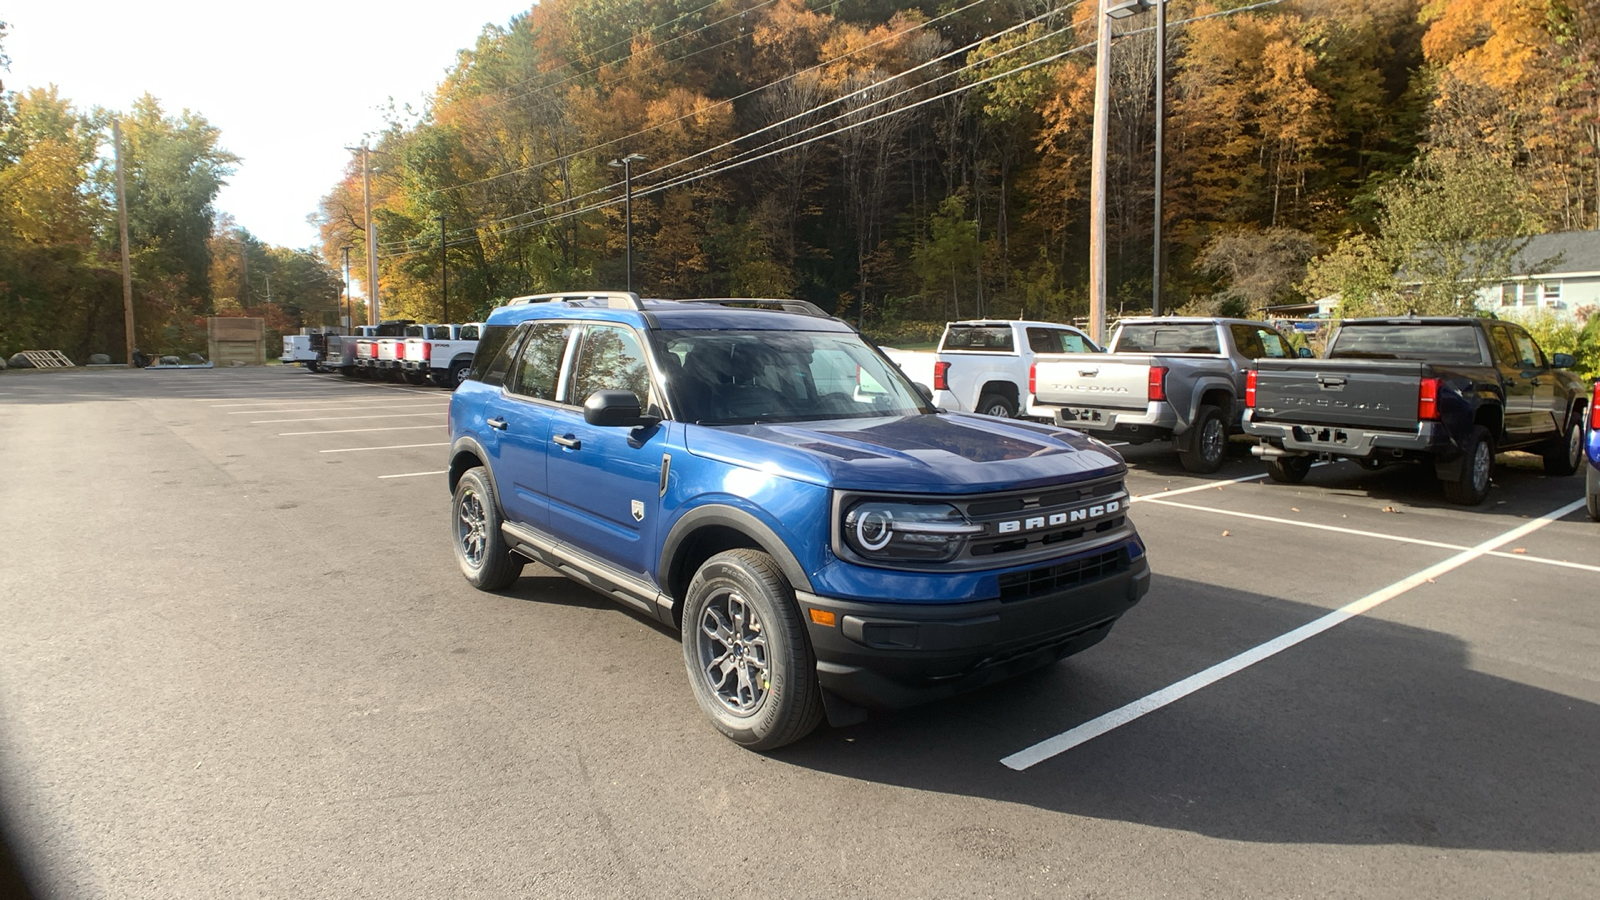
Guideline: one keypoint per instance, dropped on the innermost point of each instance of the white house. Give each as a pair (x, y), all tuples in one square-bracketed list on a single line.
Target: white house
[(1567, 280)]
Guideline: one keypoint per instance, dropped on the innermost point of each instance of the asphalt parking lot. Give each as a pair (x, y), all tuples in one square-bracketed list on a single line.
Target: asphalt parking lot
[(237, 659)]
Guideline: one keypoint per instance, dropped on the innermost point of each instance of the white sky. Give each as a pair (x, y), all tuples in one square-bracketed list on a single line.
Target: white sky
[(285, 81)]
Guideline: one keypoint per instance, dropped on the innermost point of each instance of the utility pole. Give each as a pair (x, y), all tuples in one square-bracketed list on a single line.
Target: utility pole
[(244, 269), (122, 227), (444, 272), (372, 237), (269, 287), (1097, 179), (348, 323), (626, 164), (1161, 121)]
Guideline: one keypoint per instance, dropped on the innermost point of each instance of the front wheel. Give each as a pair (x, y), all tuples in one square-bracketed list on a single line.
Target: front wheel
[(1472, 486), (1564, 455), (998, 406), (1206, 444), (481, 550), (745, 648), (1288, 469)]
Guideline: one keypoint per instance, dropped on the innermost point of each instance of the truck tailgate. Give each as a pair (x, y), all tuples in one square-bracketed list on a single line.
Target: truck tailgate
[(1375, 394), (1093, 379)]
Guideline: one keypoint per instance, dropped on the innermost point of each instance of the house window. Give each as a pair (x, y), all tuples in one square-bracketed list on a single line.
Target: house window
[(1552, 293), (1508, 293)]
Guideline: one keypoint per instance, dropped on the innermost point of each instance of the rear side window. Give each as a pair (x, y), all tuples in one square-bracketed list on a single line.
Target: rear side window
[(539, 366), (493, 359), (1161, 337), (980, 338), (1435, 343)]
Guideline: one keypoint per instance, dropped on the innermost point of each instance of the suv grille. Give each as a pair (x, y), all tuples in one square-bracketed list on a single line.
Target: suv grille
[(1038, 521), (1038, 582)]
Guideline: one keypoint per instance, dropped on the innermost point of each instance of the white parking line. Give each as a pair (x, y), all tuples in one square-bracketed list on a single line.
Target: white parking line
[(390, 447), (415, 474), (409, 404), (1277, 520), (1061, 743), (1211, 485), (360, 430), (347, 418)]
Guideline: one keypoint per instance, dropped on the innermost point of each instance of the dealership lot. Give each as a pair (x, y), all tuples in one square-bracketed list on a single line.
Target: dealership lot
[(236, 658)]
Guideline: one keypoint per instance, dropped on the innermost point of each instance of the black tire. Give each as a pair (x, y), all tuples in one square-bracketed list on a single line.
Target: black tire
[(481, 550), (457, 374), (1563, 456), (1205, 447), (1288, 469), (770, 696), (1477, 467), (997, 405), (416, 378), (313, 368)]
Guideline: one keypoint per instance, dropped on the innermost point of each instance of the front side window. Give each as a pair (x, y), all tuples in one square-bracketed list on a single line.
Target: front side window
[(469, 333), (539, 366), (1528, 355), (610, 358)]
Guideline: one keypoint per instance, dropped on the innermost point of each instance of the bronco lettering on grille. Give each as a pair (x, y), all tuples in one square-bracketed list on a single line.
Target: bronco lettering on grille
[(1057, 519)]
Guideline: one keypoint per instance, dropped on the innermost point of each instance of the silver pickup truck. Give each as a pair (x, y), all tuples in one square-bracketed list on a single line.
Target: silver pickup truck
[(1178, 379)]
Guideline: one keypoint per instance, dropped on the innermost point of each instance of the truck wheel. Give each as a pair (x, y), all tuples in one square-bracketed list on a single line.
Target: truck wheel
[(457, 374), (481, 549), (1563, 456), (750, 664), (998, 406), (1591, 492), (1288, 469), (312, 367), (1472, 486), (1206, 444), (415, 378)]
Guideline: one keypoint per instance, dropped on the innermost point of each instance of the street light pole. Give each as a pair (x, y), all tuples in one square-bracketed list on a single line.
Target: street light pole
[(626, 164), (444, 271), (1161, 122)]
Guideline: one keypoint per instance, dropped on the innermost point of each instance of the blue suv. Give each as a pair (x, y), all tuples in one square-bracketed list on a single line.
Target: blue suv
[(756, 475)]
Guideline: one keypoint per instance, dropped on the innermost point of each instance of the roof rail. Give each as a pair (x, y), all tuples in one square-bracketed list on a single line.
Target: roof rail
[(613, 299), (801, 307)]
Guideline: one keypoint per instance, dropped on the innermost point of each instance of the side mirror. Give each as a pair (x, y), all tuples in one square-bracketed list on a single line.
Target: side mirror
[(615, 409), (1305, 353), (924, 390), (1562, 360)]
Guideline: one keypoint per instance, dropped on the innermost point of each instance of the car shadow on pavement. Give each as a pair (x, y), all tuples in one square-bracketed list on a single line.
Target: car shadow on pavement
[(1371, 733)]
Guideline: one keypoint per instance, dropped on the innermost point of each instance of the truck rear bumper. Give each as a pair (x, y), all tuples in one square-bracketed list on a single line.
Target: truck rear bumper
[(893, 655), (1155, 420), (1431, 441)]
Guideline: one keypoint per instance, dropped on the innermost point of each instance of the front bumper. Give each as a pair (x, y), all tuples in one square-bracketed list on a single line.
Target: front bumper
[(893, 655)]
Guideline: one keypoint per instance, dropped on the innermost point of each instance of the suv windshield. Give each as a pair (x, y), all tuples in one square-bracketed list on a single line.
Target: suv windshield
[(743, 377)]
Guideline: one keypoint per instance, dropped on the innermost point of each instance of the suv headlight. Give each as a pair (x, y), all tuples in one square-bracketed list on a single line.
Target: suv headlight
[(906, 531)]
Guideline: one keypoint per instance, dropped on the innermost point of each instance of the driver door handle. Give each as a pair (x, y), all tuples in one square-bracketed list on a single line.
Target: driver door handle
[(497, 423), (568, 441)]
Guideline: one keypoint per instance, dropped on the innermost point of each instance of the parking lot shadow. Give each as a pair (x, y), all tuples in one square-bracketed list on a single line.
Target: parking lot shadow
[(1371, 733)]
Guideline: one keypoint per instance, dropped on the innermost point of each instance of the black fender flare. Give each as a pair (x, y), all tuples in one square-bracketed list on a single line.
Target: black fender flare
[(467, 444), (739, 520)]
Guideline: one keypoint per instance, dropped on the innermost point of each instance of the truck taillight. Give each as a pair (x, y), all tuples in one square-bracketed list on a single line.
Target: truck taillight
[(1158, 383), (399, 351), (1033, 378), (941, 376), (427, 351), (1428, 400), (1250, 389)]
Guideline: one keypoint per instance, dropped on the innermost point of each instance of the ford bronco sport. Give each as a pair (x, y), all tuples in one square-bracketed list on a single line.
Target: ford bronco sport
[(756, 475)]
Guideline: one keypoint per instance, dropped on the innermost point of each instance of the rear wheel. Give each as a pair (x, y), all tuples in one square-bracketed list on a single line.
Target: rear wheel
[(1471, 487), (745, 648), (312, 367), (456, 375), (1288, 469), (415, 377), (1206, 444), (1591, 492), (481, 550), (997, 405), (1563, 456)]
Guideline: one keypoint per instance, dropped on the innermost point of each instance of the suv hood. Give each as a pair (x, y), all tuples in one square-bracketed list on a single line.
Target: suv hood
[(941, 453)]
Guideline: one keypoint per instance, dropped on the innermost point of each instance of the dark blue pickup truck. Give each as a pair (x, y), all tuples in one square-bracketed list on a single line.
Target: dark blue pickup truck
[(756, 475)]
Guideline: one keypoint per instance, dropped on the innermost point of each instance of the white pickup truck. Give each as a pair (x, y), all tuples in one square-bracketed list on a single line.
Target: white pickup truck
[(982, 365), (440, 352), (1173, 378)]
